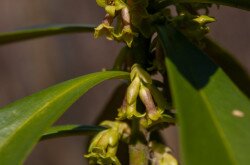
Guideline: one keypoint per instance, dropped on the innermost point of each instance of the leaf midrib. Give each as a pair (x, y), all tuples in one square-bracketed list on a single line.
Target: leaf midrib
[(218, 127), (26, 122)]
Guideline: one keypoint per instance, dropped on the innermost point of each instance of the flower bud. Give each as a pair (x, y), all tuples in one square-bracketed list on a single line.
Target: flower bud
[(133, 91), (138, 71), (161, 154), (147, 99), (204, 19), (103, 147), (158, 97)]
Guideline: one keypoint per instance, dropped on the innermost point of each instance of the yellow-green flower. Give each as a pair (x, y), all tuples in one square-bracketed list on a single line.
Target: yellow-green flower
[(126, 35), (132, 112), (161, 154), (133, 90), (104, 29), (204, 19), (129, 112), (103, 147), (137, 71), (111, 6)]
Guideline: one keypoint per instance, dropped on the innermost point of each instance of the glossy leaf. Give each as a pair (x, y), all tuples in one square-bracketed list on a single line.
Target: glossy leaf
[(242, 4), (234, 69), (160, 4), (213, 114), (70, 130), (23, 122), (31, 33)]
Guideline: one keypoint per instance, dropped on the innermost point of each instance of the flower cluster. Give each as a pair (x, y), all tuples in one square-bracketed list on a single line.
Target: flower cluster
[(103, 147), (141, 86), (193, 26), (123, 30)]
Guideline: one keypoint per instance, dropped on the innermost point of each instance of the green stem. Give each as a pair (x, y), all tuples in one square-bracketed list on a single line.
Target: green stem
[(138, 154), (138, 150)]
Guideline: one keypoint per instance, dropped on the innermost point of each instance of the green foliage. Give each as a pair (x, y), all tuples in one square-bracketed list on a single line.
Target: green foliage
[(213, 113), (195, 93), (70, 130), (31, 33), (160, 4), (229, 64), (24, 121)]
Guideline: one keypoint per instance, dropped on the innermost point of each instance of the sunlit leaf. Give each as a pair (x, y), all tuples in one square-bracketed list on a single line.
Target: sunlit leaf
[(231, 66), (213, 114), (23, 122)]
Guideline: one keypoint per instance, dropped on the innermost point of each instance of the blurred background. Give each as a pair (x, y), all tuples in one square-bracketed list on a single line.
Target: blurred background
[(30, 66)]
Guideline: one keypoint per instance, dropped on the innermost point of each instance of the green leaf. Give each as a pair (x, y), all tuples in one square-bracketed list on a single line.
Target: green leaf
[(242, 4), (160, 4), (23, 122), (70, 130), (213, 114), (31, 33), (234, 69)]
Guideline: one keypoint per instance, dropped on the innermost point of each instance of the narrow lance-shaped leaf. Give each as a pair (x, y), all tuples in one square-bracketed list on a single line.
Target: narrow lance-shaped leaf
[(160, 4), (213, 114), (242, 4), (23, 122), (234, 69), (70, 130), (42, 31)]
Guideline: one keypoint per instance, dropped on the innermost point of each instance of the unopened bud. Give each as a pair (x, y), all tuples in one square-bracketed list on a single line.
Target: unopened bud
[(133, 91), (138, 71), (204, 19), (147, 100), (161, 154)]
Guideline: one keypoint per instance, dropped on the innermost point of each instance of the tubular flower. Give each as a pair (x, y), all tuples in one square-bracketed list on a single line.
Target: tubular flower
[(154, 114), (141, 86), (129, 112), (128, 109), (126, 35), (119, 9), (111, 6), (103, 147), (137, 71), (161, 154), (105, 29)]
